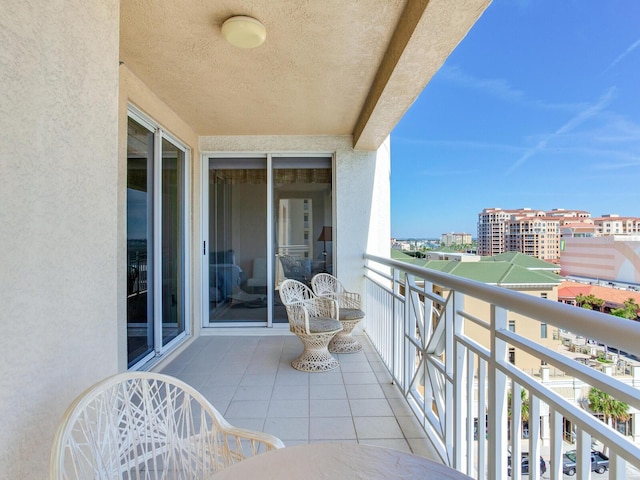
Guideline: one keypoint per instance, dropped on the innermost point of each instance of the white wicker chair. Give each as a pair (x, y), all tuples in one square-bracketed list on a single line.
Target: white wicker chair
[(326, 285), (315, 321), (140, 425)]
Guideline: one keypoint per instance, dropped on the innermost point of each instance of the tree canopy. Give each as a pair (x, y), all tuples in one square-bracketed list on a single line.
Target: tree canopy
[(590, 302), (604, 404), (629, 310)]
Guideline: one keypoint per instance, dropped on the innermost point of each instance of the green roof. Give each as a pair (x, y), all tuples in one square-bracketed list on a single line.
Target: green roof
[(526, 261), (512, 268), (400, 255), (498, 273)]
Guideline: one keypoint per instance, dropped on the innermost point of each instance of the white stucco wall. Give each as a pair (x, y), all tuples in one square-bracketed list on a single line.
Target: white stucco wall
[(58, 211)]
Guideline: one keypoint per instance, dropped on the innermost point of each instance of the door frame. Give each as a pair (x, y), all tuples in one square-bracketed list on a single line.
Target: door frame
[(154, 286), (270, 247)]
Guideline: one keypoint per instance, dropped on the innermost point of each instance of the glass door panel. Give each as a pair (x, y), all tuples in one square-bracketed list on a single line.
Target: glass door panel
[(156, 241), (237, 241), (302, 221), (172, 242), (140, 332)]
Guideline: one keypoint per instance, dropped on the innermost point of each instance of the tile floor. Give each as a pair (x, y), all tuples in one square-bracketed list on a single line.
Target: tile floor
[(249, 379)]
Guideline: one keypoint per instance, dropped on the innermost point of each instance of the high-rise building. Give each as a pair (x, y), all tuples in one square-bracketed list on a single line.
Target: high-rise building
[(491, 230), (532, 232)]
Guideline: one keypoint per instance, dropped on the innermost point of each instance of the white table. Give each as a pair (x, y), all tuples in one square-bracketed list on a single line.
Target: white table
[(335, 461)]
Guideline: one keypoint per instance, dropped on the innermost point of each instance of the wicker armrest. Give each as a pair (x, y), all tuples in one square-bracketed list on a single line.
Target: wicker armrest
[(258, 442)]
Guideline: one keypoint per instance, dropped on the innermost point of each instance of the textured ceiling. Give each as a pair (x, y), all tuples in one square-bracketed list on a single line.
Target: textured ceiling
[(328, 67)]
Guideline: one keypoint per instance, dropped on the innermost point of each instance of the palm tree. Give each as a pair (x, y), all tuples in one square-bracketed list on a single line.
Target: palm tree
[(632, 307), (629, 310), (581, 300), (590, 302), (596, 302), (610, 408), (524, 405)]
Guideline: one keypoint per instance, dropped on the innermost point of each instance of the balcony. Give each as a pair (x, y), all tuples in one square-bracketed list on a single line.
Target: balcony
[(440, 350), (250, 380), (405, 390)]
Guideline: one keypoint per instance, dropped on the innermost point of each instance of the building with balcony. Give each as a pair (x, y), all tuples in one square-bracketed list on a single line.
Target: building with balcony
[(532, 232), (613, 224), (449, 239)]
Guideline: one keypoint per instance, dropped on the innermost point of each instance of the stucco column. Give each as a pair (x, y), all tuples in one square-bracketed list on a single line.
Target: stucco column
[(635, 374), (544, 373), (577, 390)]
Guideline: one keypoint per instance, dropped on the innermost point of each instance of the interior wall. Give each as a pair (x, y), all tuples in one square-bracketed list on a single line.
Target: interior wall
[(249, 225), (58, 217)]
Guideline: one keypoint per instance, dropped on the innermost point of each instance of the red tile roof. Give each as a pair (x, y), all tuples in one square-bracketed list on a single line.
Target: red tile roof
[(612, 296)]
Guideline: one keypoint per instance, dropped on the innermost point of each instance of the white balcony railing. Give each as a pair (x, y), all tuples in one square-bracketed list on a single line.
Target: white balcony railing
[(457, 386)]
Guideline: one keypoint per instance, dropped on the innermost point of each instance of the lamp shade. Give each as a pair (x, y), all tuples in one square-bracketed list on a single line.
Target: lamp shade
[(325, 234), (244, 32)]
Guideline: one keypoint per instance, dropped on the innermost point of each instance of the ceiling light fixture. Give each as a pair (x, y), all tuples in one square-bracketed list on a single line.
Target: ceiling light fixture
[(244, 32)]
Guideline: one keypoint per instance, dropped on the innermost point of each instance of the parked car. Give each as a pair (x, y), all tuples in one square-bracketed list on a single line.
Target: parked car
[(524, 464), (599, 462)]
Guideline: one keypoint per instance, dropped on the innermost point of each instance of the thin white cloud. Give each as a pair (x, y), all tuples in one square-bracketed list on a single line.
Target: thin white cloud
[(498, 88), (459, 144), (495, 86), (629, 49), (436, 172), (608, 166), (574, 122)]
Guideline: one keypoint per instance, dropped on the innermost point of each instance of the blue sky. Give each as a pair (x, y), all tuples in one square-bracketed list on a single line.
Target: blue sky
[(539, 106)]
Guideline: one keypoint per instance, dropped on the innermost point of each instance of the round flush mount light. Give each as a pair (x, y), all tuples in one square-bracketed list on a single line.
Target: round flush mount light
[(244, 32)]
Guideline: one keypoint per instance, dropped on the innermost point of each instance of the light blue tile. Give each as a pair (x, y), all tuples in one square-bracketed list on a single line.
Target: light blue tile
[(288, 428), (370, 407), (369, 390), (247, 409), (330, 408), (290, 392), (327, 392), (377, 427), (331, 428), (288, 408)]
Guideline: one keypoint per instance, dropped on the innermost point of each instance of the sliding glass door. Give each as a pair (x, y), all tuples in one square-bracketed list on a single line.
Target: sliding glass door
[(173, 232), (156, 240), (140, 153), (236, 244), (268, 218), (302, 209)]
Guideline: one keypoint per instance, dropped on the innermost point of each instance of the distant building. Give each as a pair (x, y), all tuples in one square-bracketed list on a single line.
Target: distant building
[(456, 239), (533, 232), (613, 224), (400, 245), (615, 258), (446, 254)]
